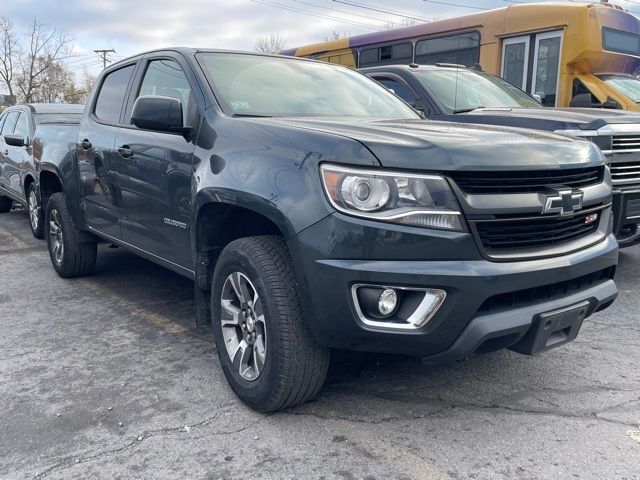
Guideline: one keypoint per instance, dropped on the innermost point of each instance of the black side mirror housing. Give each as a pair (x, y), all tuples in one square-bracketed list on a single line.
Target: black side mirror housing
[(15, 140), (161, 114), (584, 100)]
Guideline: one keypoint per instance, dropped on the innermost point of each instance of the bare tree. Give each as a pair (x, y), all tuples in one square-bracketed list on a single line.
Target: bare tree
[(272, 43), (46, 47), (336, 35), (403, 22), (10, 52)]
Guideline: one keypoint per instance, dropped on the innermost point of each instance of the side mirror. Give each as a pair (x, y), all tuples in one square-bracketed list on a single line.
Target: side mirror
[(162, 114), (582, 100), (15, 140)]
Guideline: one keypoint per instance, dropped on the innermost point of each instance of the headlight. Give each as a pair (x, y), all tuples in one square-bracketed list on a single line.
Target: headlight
[(407, 199)]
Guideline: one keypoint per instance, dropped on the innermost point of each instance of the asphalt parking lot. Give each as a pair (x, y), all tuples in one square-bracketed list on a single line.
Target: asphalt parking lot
[(107, 377)]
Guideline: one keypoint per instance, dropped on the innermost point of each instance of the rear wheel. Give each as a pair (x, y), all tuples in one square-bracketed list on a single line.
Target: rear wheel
[(5, 204), (36, 219), (71, 255), (266, 351)]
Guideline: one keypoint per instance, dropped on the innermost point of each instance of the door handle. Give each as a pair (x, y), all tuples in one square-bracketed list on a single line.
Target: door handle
[(125, 151), (86, 144)]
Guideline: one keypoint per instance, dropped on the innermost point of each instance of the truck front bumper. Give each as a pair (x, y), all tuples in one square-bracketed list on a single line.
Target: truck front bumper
[(626, 214), (488, 305)]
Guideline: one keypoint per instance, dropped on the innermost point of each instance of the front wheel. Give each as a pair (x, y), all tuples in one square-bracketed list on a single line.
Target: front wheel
[(36, 219), (266, 351), (70, 255)]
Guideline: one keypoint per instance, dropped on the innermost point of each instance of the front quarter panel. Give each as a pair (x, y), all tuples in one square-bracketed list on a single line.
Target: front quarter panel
[(270, 169)]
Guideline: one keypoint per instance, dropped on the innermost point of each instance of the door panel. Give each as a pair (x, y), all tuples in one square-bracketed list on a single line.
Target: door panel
[(515, 61), (7, 128), (96, 151), (154, 173), (154, 182), (17, 159), (546, 67)]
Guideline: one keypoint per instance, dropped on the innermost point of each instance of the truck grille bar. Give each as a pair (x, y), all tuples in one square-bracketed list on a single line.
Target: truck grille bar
[(625, 173), (509, 235), (526, 181), (626, 143)]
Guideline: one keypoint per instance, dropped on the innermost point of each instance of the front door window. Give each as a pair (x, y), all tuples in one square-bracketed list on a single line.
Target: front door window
[(547, 67)]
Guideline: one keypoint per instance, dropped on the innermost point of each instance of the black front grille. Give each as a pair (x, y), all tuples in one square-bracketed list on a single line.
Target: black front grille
[(527, 181), (534, 232), (523, 298)]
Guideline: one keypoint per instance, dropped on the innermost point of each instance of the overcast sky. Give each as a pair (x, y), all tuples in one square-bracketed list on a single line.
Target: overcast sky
[(133, 26)]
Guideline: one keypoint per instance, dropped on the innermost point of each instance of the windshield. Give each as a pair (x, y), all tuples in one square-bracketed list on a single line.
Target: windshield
[(626, 84), (464, 90), (44, 118), (280, 86)]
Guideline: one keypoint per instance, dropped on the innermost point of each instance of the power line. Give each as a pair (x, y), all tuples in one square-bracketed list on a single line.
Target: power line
[(449, 4), (314, 14), (341, 11), (103, 54), (397, 14)]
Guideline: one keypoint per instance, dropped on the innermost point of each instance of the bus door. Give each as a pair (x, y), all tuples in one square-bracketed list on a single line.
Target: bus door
[(532, 62)]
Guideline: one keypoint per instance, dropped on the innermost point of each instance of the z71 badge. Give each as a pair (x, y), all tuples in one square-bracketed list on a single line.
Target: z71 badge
[(175, 223)]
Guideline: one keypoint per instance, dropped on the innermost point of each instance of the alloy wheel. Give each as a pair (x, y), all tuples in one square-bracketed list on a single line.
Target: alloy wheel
[(56, 237), (243, 326), (34, 211)]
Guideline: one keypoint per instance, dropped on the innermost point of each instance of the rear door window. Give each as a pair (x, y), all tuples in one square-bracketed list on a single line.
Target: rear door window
[(112, 95), (398, 88)]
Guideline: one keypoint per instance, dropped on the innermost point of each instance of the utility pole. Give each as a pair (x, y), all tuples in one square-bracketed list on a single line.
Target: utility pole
[(103, 54)]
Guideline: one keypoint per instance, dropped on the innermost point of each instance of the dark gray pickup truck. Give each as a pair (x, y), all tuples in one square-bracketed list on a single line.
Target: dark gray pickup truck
[(313, 210), (458, 94), (25, 131)]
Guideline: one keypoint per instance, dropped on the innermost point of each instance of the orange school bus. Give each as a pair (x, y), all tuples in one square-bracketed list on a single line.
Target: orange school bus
[(568, 54)]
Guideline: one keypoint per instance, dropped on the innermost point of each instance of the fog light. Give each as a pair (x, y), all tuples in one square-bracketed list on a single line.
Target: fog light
[(388, 302)]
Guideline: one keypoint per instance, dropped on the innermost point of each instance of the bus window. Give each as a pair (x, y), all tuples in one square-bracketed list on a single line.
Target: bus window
[(401, 53), (546, 67), (621, 42), (461, 49)]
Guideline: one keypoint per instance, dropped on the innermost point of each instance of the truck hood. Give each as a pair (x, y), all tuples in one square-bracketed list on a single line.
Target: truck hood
[(429, 145), (551, 119)]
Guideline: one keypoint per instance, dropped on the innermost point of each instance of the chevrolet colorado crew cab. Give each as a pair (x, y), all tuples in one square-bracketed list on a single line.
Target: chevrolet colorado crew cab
[(25, 131), (455, 93), (314, 210)]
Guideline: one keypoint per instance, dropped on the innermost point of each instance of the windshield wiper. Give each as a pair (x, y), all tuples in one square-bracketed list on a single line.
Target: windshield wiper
[(466, 110), (251, 115)]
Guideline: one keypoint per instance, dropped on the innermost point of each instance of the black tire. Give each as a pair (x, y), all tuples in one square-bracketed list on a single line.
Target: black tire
[(79, 254), (36, 218), (5, 204), (295, 366)]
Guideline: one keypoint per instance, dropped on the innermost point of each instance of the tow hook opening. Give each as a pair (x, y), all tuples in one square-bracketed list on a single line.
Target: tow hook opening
[(396, 307)]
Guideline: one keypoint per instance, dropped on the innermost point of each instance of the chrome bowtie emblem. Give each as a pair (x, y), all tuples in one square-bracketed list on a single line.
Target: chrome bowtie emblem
[(565, 203)]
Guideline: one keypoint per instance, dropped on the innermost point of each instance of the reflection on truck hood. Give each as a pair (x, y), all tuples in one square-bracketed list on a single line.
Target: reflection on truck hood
[(420, 144), (565, 118)]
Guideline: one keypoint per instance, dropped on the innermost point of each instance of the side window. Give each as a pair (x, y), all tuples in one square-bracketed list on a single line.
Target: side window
[(112, 93), (166, 78), (22, 126), (401, 53), (398, 88), (461, 49), (580, 90), (9, 123)]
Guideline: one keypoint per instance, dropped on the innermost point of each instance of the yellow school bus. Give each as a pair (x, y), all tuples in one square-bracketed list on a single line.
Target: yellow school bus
[(567, 53)]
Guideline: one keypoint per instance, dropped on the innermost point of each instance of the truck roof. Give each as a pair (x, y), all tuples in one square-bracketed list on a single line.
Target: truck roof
[(50, 107)]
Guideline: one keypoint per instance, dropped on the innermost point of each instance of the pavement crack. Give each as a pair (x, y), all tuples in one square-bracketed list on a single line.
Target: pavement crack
[(71, 461)]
